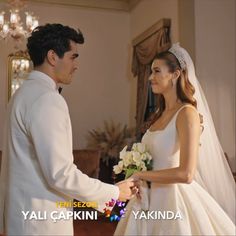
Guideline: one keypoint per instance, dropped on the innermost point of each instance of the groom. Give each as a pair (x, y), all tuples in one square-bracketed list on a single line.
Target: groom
[(37, 169)]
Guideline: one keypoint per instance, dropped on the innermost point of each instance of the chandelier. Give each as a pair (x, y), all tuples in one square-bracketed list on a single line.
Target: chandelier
[(14, 27)]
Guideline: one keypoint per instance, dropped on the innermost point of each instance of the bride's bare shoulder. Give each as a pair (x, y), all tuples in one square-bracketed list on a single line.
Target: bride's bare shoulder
[(188, 117)]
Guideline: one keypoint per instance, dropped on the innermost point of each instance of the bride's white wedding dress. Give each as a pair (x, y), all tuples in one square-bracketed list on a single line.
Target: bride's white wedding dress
[(200, 213)]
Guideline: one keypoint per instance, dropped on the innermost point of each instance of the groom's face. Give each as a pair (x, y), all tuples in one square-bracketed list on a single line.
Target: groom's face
[(67, 65), (160, 77)]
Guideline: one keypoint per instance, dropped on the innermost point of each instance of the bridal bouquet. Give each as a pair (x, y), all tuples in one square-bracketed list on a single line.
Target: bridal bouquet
[(138, 159)]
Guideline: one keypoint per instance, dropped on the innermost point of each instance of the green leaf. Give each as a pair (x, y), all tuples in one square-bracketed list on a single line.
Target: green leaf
[(130, 172)]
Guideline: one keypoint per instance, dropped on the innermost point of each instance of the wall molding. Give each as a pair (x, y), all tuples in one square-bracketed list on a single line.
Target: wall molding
[(117, 5)]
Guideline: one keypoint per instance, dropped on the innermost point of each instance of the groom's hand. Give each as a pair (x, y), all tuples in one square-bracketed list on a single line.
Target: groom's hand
[(128, 189)]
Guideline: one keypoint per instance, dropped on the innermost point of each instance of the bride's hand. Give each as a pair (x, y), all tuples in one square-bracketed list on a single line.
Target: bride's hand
[(133, 188), (136, 190), (135, 177)]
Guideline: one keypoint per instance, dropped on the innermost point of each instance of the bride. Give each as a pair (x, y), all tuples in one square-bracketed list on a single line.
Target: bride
[(190, 178)]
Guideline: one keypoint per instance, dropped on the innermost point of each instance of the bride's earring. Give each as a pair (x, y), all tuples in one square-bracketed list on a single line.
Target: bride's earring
[(173, 82)]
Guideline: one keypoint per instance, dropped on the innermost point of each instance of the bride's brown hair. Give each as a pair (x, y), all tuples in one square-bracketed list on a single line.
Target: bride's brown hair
[(185, 89)]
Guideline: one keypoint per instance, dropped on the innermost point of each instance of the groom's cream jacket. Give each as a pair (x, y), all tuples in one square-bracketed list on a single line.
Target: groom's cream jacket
[(37, 166)]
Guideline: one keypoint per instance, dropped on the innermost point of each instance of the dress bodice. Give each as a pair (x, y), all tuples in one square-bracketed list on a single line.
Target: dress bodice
[(163, 145)]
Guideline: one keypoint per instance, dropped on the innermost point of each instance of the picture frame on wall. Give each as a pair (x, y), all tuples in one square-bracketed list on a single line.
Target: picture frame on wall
[(19, 66)]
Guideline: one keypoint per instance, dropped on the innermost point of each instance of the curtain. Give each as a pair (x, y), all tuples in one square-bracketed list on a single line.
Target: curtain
[(143, 55)]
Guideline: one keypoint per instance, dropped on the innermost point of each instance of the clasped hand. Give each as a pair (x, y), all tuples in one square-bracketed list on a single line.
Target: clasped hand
[(128, 189)]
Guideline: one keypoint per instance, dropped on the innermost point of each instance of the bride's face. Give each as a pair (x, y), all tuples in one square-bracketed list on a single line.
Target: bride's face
[(160, 77)]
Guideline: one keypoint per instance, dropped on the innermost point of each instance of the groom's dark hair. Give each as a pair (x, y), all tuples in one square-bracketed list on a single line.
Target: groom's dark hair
[(54, 37)]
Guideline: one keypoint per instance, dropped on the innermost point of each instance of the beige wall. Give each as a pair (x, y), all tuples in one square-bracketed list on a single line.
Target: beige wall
[(215, 62), (148, 12), (100, 89), (187, 26)]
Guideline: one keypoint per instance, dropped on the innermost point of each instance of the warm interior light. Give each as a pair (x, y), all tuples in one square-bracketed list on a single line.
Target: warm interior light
[(15, 28)]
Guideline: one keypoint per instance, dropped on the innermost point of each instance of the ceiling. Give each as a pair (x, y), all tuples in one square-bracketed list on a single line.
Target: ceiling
[(118, 5)]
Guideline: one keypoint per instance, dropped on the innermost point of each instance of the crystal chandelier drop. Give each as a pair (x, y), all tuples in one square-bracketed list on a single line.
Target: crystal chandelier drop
[(14, 28)]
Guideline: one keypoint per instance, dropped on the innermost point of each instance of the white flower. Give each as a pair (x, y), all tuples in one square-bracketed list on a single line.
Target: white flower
[(138, 163), (143, 166), (121, 164), (127, 159), (134, 147), (136, 156), (123, 152), (117, 169), (138, 159), (139, 147), (149, 157), (144, 156)]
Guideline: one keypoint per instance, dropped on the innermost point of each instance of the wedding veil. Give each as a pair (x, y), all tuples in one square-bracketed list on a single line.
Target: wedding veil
[(213, 172)]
